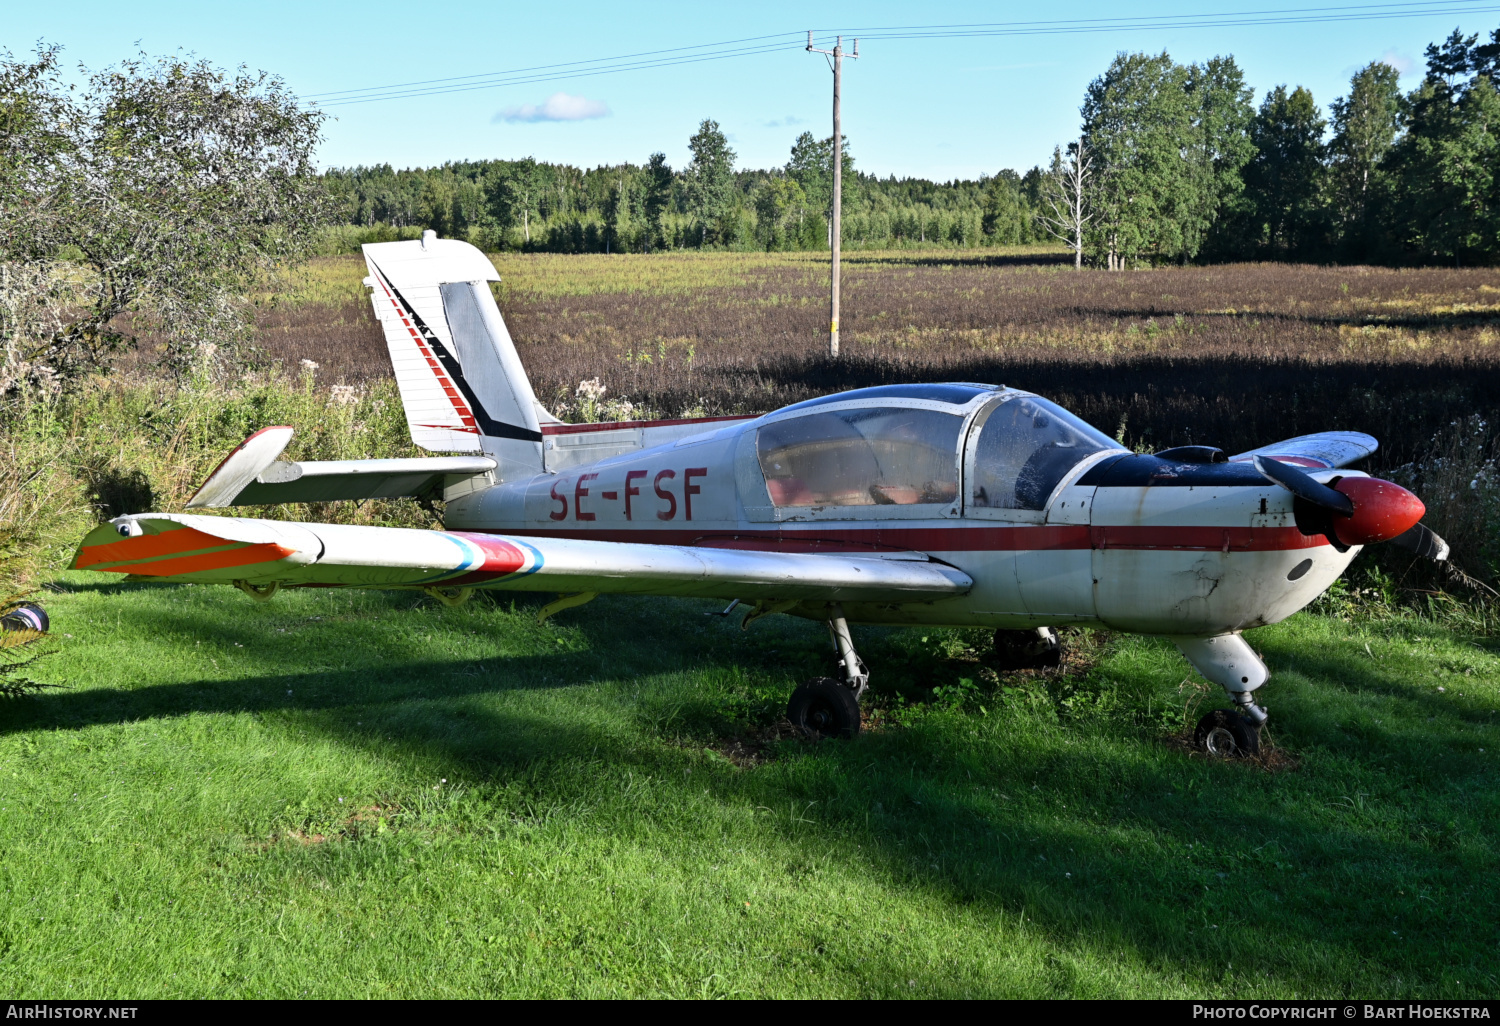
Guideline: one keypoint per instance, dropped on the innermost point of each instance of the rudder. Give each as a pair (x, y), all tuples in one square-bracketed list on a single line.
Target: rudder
[(461, 381)]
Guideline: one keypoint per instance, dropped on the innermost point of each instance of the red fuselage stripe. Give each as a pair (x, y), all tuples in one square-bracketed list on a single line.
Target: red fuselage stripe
[(579, 429), (958, 538)]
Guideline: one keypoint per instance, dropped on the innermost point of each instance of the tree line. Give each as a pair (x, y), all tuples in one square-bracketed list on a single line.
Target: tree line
[(533, 205), (1175, 163), (1172, 163)]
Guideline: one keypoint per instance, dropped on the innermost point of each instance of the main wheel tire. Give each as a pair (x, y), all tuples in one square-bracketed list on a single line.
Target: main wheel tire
[(1028, 650), (28, 616), (1226, 735), (824, 707)]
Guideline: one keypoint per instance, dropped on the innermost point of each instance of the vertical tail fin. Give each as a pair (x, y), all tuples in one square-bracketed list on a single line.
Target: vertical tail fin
[(460, 378)]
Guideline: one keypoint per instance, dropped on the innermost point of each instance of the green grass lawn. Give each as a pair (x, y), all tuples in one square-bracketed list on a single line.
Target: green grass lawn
[(347, 794)]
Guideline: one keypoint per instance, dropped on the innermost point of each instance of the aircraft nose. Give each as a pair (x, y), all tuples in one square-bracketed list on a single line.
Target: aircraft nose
[(1382, 510)]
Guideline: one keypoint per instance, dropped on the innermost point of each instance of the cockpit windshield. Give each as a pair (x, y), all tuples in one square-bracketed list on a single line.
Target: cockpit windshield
[(1026, 446), (861, 457)]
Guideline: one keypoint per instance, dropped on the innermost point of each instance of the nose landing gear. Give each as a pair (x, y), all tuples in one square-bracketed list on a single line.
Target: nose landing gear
[(1228, 660), (827, 707), (1226, 735)]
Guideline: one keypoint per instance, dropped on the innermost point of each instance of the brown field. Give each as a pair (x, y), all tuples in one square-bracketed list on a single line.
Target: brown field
[(1230, 355)]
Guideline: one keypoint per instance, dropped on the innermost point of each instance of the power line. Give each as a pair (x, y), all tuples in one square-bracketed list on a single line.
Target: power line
[(1295, 15), (757, 45), (579, 69), (1078, 30), (548, 67)]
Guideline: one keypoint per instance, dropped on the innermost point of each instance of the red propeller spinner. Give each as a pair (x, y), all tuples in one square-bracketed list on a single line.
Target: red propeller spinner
[(1355, 510), (1382, 510)]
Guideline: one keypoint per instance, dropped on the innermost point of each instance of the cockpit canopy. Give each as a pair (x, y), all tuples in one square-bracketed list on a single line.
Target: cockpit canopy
[(902, 446), (954, 393), (1026, 447), (880, 456)]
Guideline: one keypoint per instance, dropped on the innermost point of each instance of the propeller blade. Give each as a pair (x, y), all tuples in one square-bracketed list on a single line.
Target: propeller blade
[(1297, 481), (1423, 541)]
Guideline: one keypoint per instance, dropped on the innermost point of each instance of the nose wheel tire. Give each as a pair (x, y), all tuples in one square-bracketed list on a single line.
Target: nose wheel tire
[(824, 707), (1226, 735)]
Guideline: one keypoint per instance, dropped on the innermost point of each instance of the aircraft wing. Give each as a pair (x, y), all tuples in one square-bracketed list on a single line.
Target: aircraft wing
[(211, 549), (1323, 451)]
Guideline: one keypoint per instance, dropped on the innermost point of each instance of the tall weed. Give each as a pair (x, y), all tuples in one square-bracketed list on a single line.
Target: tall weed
[(117, 445), (1458, 478)]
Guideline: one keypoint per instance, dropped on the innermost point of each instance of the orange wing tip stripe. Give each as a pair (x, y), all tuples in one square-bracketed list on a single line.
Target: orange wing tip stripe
[(222, 560), (171, 541), (129, 565)]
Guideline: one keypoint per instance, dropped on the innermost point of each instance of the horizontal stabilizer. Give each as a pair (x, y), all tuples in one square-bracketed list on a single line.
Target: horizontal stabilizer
[(252, 476), (332, 480), (188, 547), (1323, 451)]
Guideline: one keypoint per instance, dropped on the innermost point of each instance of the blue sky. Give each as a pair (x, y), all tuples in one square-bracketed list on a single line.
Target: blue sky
[(932, 108)]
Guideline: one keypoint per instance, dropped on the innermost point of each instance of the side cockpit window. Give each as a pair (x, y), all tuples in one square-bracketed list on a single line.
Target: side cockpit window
[(1026, 447), (865, 457)]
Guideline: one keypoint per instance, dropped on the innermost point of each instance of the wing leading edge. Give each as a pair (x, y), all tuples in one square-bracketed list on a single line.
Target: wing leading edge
[(1324, 450), (188, 547)]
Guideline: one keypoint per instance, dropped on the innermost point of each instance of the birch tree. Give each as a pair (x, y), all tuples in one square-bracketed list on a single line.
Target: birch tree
[(1065, 212), (1138, 123)]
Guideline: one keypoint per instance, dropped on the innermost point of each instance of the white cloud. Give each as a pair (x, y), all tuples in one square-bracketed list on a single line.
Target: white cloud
[(1400, 61), (557, 107), (790, 121)]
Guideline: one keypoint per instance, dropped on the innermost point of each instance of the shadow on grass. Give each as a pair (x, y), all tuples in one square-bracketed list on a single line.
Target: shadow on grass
[(1459, 319), (1092, 833)]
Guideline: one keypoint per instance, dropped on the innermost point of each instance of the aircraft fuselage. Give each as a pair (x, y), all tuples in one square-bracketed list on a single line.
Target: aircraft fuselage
[(1132, 542)]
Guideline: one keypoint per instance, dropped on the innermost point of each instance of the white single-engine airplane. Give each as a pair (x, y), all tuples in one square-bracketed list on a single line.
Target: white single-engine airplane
[(928, 504)]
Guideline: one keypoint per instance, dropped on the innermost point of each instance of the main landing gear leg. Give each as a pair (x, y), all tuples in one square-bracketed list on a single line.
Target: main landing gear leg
[(1038, 649), (1229, 661), (856, 677), (825, 706)]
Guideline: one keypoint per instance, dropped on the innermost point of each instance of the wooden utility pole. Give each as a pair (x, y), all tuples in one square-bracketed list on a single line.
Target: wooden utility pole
[(836, 229)]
